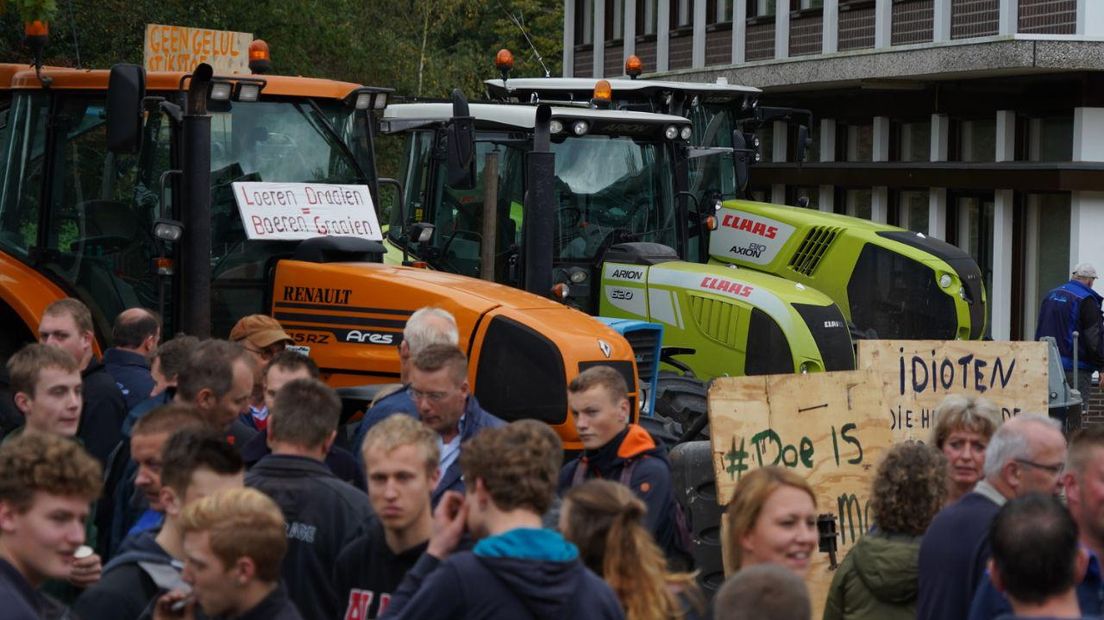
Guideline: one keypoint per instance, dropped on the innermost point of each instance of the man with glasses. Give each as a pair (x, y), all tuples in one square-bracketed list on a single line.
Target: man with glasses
[(427, 326), (1083, 481), (262, 337), (1026, 455), (440, 391)]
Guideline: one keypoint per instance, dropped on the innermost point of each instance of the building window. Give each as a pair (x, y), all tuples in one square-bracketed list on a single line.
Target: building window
[(584, 22), (760, 8), (765, 133), (976, 140), (854, 141), (682, 14), (718, 12), (913, 141), (647, 17), (807, 197), (1048, 258), (615, 20), (803, 5), (857, 203), (912, 209), (974, 213), (1050, 138)]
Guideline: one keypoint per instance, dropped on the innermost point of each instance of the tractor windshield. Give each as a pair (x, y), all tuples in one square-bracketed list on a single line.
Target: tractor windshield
[(86, 215), (611, 189)]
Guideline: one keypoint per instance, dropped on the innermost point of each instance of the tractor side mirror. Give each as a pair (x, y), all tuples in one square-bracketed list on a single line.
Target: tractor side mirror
[(461, 144), (126, 88), (742, 156)]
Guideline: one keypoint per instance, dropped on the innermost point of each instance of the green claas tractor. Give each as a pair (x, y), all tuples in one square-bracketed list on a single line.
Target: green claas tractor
[(889, 282), (608, 225)]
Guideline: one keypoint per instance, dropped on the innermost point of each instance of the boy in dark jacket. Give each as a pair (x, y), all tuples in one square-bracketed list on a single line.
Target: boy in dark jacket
[(517, 569), (194, 463), (324, 514), (45, 492), (616, 450), (400, 457)]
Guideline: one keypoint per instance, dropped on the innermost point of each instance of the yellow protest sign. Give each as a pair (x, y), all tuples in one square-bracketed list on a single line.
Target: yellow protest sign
[(916, 375), (179, 48), (830, 428)]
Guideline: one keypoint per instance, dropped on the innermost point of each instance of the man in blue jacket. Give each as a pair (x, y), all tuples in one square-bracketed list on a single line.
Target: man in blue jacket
[(517, 569), (1075, 306), (134, 337), (427, 326), (440, 391)]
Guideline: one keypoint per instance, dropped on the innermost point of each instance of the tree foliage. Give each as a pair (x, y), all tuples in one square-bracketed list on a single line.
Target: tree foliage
[(421, 48)]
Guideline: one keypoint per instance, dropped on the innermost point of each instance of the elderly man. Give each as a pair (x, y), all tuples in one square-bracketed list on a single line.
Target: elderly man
[(1026, 455), (427, 326), (1083, 482), (1075, 306)]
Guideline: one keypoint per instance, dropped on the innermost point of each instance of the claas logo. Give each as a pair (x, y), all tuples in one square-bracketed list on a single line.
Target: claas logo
[(752, 226)]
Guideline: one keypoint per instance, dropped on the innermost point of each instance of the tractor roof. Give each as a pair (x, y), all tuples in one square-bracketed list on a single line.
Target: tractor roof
[(22, 77), (581, 88)]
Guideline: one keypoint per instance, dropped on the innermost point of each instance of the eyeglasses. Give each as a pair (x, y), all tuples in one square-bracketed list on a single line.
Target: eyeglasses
[(433, 397), (1055, 470), (268, 352)]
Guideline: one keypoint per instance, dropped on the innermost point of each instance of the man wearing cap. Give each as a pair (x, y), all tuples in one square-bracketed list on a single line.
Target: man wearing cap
[(263, 337), (1075, 306)]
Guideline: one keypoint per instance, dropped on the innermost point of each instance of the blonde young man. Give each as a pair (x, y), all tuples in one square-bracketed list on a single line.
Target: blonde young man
[(400, 461), (233, 546)]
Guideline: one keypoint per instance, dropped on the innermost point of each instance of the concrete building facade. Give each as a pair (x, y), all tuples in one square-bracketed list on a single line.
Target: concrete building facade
[(976, 121)]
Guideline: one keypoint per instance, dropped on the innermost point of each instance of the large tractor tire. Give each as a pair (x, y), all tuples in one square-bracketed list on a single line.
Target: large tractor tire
[(682, 398), (696, 490)]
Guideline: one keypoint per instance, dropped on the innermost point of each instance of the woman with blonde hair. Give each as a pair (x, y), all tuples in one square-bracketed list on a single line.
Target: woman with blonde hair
[(772, 519), (879, 578), (605, 520), (963, 427)]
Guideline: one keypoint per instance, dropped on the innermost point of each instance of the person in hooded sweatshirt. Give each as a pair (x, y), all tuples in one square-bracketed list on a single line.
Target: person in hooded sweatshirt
[(195, 463), (879, 578), (516, 569), (616, 450)]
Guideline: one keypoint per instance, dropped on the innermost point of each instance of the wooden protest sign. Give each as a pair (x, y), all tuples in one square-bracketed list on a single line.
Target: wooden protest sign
[(828, 427), (916, 375), (179, 48)]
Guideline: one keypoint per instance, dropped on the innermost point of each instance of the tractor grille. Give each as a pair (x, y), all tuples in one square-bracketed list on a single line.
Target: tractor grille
[(812, 249), (643, 342), (716, 319)]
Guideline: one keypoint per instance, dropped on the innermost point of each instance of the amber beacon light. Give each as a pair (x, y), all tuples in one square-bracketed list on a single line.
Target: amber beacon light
[(260, 61), (633, 66)]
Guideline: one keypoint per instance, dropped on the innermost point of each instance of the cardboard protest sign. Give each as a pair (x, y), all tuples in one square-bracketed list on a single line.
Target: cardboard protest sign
[(916, 375), (179, 48), (305, 210), (828, 427)]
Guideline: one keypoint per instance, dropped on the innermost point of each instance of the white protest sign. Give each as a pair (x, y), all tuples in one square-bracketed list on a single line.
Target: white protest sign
[(180, 48), (294, 211)]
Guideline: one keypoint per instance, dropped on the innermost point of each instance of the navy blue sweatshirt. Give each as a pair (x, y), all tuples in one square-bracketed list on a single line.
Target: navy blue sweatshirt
[(522, 574)]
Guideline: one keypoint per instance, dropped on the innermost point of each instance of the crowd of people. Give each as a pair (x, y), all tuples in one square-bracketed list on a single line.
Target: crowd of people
[(207, 479)]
